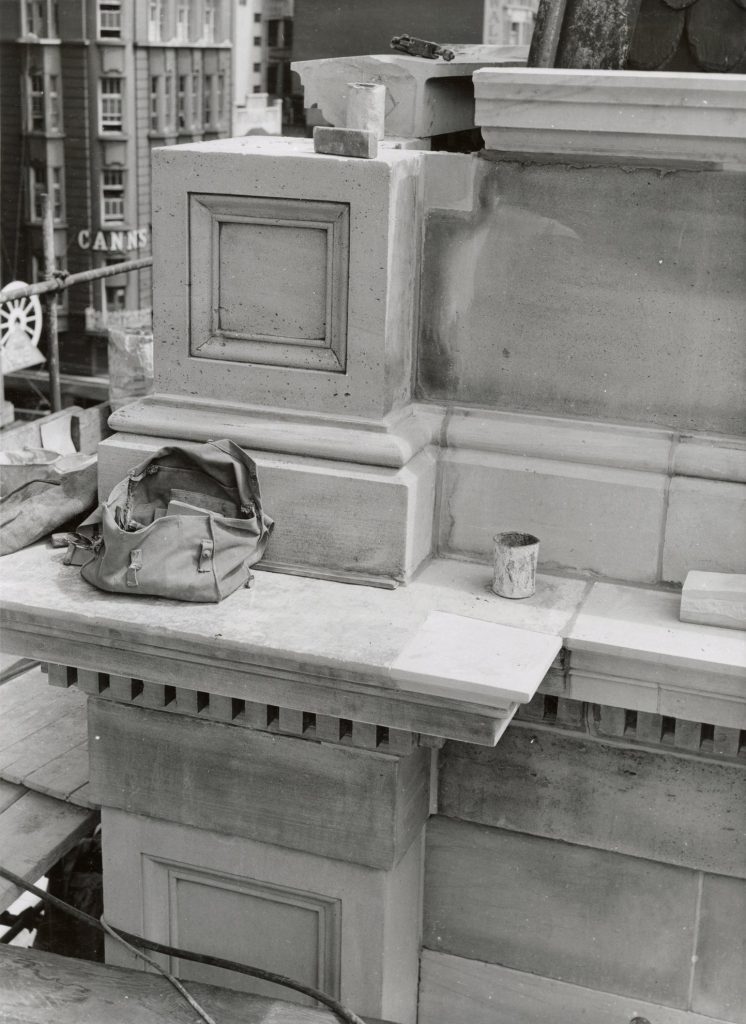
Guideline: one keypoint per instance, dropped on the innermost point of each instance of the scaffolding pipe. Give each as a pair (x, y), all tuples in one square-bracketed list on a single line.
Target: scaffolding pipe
[(50, 301), (60, 283)]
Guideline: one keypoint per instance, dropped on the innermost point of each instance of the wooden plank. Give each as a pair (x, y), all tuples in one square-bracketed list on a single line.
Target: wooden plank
[(9, 794), (63, 775), (36, 750), (36, 988), (454, 990), (28, 704), (35, 832), (336, 801)]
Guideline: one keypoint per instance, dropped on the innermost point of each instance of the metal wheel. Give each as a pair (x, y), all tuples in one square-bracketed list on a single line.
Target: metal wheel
[(20, 330)]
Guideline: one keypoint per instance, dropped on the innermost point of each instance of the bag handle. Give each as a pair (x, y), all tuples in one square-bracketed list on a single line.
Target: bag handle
[(234, 451)]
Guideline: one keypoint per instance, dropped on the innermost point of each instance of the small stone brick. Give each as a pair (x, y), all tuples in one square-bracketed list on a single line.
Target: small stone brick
[(291, 721), (570, 713), (687, 735), (364, 735), (92, 683), (725, 741), (61, 675), (533, 711), (328, 728), (649, 727), (355, 142), (608, 721)]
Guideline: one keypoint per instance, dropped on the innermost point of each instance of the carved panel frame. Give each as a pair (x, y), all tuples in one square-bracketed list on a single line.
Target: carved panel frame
[(160, 880), (208, 339)]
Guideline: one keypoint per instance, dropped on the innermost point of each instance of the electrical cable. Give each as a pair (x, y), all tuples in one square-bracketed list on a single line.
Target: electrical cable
[(345, 1015), (166, 974)]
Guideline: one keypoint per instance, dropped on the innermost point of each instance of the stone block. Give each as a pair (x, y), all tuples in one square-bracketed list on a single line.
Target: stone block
[(677, 810), (584, 916), (715, 599), (533, 336), (705, 528), (608, 721), (453, 990), (335, 801), (483, 662), (719, 977), (587, 518), (382, 521), (354, 142), (423, 97), (332, 292), (351, 930)]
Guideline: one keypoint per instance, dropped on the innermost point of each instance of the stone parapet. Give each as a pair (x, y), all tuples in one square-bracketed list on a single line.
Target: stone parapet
[(646, 116)]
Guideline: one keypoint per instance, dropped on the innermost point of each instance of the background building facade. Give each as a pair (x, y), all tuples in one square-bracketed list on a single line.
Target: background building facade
[(99, 83)]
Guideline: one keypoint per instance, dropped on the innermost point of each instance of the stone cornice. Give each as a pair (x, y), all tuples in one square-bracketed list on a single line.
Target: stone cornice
[(646, 116)]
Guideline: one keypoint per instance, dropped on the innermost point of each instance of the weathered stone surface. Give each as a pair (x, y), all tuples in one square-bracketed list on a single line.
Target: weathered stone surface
[(615, 923), (719, 978), (627, 800), (705, 528), (563, 317)]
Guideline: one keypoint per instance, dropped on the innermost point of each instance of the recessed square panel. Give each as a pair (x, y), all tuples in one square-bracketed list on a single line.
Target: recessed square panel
[(268, 281), (272, 280)]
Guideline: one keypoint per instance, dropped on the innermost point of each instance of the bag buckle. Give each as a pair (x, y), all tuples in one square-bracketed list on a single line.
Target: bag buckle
[(205, 556), (134, 566)]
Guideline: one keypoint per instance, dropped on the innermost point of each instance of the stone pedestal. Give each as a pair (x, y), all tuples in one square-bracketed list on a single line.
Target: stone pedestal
[(285, 309), (299, 855)]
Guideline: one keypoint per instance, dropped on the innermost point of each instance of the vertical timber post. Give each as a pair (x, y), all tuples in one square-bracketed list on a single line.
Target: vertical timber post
[(50, 301)]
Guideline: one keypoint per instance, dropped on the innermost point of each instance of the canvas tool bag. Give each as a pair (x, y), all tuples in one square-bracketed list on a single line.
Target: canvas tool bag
[(186, 524)]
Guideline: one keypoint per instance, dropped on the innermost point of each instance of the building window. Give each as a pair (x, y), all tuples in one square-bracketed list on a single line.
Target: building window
[(156, 21), (257, 40), (58, 203), (195, 100), (207, 102), (287, 33), (169, 103), (37, 188), (116, 298), (273, 32), (220, 99), (155, 106), (258, 18), (210, 15), (55, 115), (183, 21), (110, 105), (257, 68), (112, 196), (181, 114), (109, 19), (36, 18), (37, 119)]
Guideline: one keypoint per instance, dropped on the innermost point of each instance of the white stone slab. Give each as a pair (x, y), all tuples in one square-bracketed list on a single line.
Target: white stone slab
[(637, 623), (636, 114), (469, 659), (715, 599)]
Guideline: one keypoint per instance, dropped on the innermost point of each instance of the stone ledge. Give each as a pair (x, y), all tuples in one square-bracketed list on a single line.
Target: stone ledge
[(272, 645), (622, 115)]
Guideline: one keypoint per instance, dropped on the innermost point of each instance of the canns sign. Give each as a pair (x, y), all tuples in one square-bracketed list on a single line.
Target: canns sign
[(113, 241)]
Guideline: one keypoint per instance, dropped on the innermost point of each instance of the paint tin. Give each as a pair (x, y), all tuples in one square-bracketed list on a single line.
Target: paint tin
[(516, 555)]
